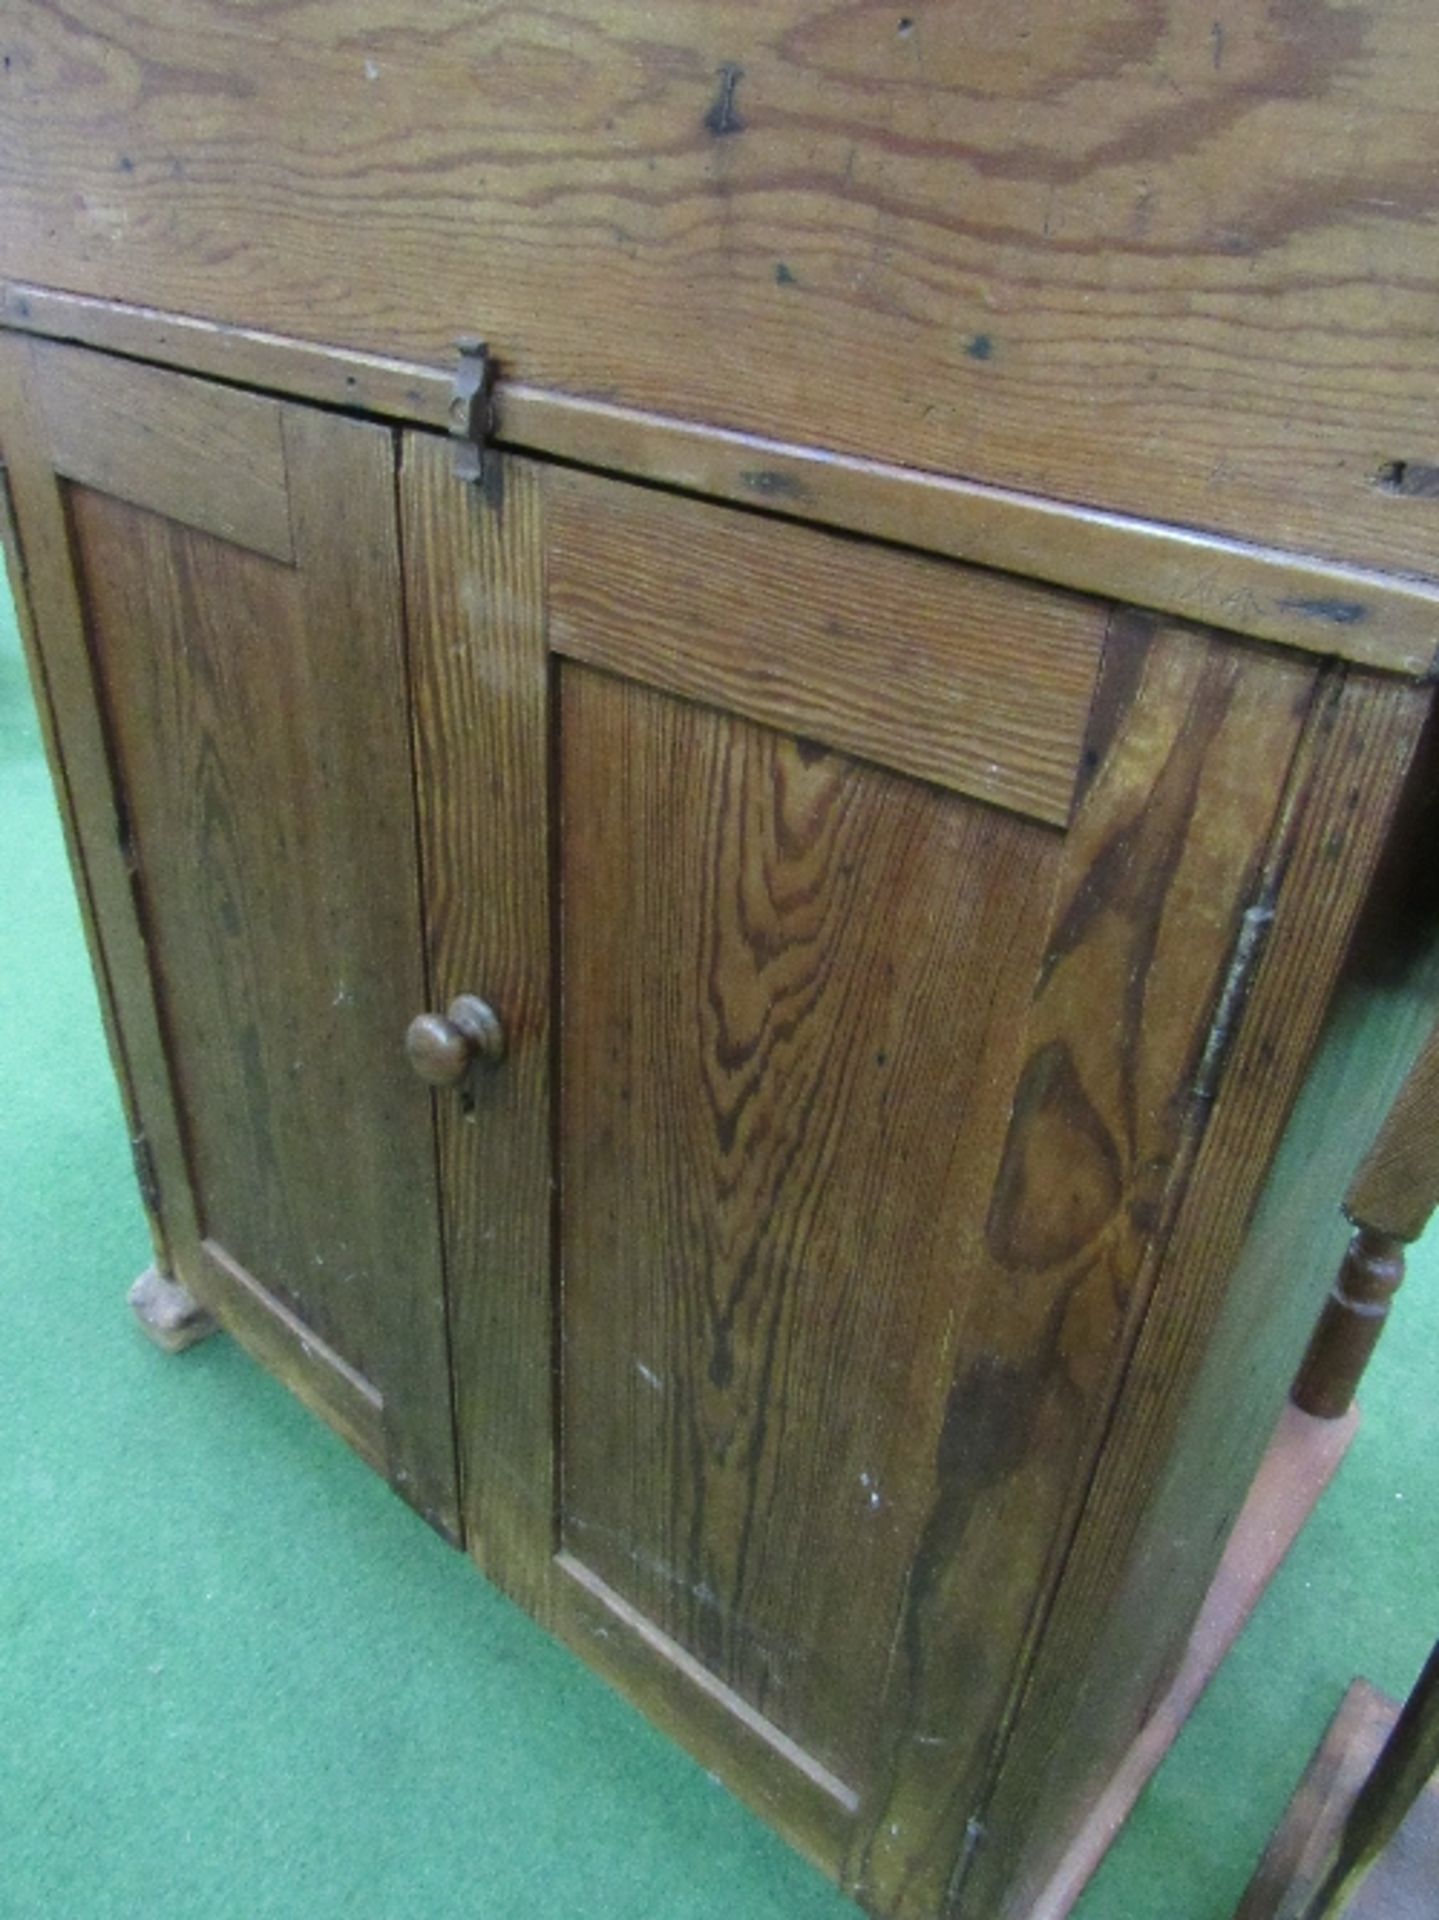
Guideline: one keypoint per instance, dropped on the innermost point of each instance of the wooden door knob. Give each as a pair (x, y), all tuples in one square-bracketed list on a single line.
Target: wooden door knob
[(444, 1046)]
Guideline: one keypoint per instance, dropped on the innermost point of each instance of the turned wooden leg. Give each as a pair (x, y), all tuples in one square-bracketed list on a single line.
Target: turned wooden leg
[(171, 1317), (1370, 1275)]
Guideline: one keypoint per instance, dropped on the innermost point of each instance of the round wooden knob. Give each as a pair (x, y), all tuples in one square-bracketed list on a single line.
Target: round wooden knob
[(444, 1046)]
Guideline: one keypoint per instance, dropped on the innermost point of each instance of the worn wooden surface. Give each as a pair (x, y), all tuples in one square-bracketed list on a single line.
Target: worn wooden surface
[(1176, 261), (1319, 605), (16, 419), (1316, 603), (479, 673), (968, 679), (1189, 749), (190, 451), (58, 654), (256, 716), (302, 369), (774, 1158), (1237, 1289), (871, 1104), (265, 1323)]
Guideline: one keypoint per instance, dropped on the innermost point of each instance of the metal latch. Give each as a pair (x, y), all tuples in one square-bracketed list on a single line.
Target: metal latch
[(472, 412)]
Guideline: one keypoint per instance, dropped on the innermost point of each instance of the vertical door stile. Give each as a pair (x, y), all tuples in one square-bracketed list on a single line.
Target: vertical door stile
[(480, 693)]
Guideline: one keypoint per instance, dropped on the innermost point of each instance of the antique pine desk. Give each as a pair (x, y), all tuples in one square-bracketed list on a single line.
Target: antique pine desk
[(875, 745)]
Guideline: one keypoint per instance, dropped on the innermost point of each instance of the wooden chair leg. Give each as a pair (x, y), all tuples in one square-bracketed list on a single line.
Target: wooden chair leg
[(167, 1313), (1349, 1327)]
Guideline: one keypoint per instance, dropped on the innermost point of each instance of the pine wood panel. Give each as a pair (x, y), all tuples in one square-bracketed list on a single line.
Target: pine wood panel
[(1321, 605), (291, 1349), (1172, 260), (200, 454), (257, 714), (973, 681), (21, 598), (248, 356), (1253, 1248), (81, 764), (792, 986), (480, 678), (1190, 745)]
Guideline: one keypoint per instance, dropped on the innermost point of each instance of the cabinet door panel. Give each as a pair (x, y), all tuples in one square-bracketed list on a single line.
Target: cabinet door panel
[(791, 983), (864, 1100), (256, 710)]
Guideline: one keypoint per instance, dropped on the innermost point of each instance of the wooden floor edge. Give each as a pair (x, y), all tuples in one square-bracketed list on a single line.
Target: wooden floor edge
[(1302, 1459), (1385, 621)]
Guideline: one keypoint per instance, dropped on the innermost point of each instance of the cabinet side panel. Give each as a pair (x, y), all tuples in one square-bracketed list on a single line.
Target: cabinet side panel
[(1241, 1281), (474, 585)]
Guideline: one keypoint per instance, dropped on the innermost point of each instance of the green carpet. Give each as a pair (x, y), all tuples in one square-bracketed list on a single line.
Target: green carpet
[(238, 1678)]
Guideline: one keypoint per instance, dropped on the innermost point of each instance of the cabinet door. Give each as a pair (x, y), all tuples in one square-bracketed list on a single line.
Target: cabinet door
[(859, 969), (225, 569)]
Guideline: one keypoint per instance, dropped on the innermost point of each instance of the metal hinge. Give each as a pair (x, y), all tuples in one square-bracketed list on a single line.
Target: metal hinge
[(472, 413), (1243, 965), (145, 1175)]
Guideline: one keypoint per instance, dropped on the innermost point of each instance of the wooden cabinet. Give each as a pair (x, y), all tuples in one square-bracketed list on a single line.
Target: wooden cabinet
[(871, 936), (948, 946)]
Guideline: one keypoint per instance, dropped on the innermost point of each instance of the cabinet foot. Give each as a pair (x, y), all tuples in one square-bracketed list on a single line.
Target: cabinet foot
[(171, 1317)]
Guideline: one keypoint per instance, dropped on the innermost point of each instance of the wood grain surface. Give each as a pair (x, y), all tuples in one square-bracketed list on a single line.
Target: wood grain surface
[(203, 455), (58, 652), (247, 356), (967, 679), (480, 679), (791, 987), (1318, 604), (1189, 747), (22, 599), (1175, 261), (257, 718), (1238, 1285)]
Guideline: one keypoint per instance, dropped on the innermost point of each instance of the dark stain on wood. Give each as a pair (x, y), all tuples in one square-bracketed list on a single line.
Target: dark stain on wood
[(724, 117), (1036, 1220), (772, 485), (1415, 479), (1339, 613)]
